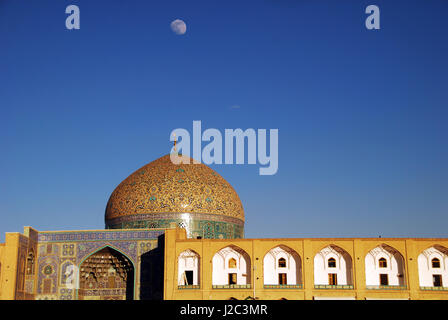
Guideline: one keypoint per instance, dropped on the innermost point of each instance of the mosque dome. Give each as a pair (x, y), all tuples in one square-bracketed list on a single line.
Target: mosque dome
[(162, 194)]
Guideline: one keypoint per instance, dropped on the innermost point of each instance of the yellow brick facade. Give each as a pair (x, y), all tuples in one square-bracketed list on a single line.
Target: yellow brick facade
[(410, 248), (13, 255)]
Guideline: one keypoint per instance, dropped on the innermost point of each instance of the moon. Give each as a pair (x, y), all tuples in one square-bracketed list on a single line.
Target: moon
[(179, 27)]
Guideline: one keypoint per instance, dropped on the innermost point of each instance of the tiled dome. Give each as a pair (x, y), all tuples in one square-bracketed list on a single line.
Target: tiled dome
[(162, 192)]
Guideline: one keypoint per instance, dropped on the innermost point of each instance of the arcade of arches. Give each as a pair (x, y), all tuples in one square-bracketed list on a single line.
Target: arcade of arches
[(299, 269)]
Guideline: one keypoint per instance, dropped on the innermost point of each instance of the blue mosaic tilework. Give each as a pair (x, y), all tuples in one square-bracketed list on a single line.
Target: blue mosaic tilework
[(82, 236)]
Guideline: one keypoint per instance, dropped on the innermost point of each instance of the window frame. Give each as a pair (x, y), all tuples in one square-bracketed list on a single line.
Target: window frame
[(331, 261), (192, 277), (232, 278), (333, 279), (230, 263), (439, 277), (280, 262), (435, 261), (382, 263), (282, 276)]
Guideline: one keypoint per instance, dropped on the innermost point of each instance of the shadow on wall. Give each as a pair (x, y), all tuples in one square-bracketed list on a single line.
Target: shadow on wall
[(152, 272)]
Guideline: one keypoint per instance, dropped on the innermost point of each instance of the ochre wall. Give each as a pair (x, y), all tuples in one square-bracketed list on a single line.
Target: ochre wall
[(176, 242), (13, 254), (9, 256), (2, 245)]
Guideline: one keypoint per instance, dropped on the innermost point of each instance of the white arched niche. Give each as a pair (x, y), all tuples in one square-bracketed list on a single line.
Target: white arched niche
[(188, 268), (433, 268), (282, 266), (333, 267), (231, 266), (384, 267)]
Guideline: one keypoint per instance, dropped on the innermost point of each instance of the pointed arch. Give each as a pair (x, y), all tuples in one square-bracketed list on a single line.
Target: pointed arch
[(282, 265), (333, 266), (433, 267), (223, 275), (107, 246), (106, 273), (188, 268), (384, 266)]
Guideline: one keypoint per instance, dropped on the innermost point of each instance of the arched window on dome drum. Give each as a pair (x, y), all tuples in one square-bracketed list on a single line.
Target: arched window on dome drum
[(382, 263), (232, 263), (435, 263), (282, 263), (332, 263)]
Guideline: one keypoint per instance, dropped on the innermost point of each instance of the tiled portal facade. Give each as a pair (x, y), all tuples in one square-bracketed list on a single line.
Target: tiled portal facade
[(60, 265)]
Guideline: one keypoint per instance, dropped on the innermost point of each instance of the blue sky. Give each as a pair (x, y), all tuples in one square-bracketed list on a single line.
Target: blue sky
[(361, 114)]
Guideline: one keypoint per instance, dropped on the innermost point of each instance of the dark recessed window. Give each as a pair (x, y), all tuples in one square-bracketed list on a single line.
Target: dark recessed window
[(189, 277), (332, 279), (437, 280), (332, 263), (232, 278), (282, 278), (384, 280), (383, 263), (282, 263), (435, 263)]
